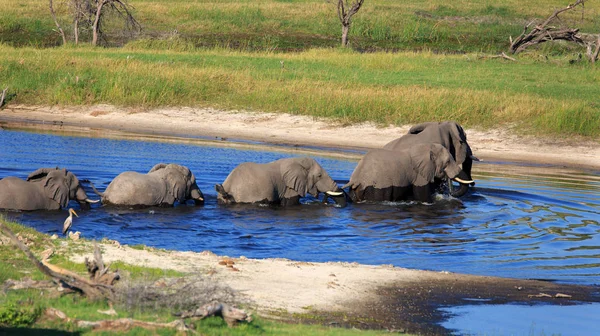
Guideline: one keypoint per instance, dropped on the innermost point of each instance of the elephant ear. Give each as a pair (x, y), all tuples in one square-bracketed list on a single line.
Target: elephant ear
[(423, 164), (416, 129), (157, 167), (459, 142), (40, 173), (55, 187), (295, 176), (178, 179)]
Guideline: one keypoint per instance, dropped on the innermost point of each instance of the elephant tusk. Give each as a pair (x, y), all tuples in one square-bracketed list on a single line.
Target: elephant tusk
[(91, 201), (463, 181), (335, 193), (474, 158), (200, 199)]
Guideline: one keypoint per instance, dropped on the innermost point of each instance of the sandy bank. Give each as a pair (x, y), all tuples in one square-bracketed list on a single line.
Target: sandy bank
[(492, 145)]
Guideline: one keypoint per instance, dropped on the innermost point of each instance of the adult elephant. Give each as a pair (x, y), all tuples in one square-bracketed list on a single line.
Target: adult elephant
[(385, 175), (163, 185), (448, 134), (44, 189), (281, 182)]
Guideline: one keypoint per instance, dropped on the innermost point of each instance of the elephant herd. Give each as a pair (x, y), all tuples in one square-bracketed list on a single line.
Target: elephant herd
[(411, 167)]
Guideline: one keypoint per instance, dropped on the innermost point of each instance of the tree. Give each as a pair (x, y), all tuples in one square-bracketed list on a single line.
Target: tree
[(346, 9), (89, 15), (120, 7)]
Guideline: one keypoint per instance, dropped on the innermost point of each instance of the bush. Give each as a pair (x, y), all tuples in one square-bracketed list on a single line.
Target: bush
[(19, 315)]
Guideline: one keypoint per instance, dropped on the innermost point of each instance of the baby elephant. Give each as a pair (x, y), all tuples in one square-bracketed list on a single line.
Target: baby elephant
[(281, 182), (385, 175), (162, 186)]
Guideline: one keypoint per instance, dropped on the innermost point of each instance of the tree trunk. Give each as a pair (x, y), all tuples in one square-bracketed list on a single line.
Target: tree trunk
[(62, 33), (345, 29), (76, 31), (96, 22)]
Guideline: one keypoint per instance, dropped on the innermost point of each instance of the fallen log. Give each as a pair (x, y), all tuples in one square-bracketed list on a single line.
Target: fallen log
[(118, 325), (64, 277)]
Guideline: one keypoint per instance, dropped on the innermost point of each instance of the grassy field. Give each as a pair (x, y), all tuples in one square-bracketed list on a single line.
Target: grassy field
[(449, 26), (21, 311), (541, 96)]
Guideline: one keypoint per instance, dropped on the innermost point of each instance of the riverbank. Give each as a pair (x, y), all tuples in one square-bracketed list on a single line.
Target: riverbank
[(281, 128)]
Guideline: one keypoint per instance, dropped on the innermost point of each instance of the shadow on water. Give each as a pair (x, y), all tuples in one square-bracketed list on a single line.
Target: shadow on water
[(528, 222)]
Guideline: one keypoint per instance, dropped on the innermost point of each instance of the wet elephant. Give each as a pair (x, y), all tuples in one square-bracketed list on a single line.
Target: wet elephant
[(281, 182), (163, 185), (44, 189), (385, 175)]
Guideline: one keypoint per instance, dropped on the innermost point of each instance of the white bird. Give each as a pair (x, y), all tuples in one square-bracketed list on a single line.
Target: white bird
[(69, 220)]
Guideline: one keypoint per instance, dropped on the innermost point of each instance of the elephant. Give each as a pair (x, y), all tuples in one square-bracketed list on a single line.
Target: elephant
[(448, 134), (386, 175), (44, 189), (282, 182), (162, 186)]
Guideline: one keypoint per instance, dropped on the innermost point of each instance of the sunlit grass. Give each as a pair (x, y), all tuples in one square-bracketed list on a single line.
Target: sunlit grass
[(550, 96)]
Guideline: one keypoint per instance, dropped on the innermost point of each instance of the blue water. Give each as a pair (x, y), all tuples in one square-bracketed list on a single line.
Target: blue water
[(536, 320), (520, 221)]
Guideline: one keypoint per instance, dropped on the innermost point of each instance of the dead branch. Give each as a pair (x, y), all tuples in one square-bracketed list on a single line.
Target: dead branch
[(66, 278), (544, 33), (98, 272), (122, 324), (230, 314), (28, 283), (502, 55)]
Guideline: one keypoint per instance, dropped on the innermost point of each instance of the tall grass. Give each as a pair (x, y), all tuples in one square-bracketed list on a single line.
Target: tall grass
[(542, 96)]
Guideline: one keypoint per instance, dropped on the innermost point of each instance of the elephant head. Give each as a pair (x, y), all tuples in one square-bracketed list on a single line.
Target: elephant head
[(438, 163), (305, 175), (450, 135), (181, 181), (61, 186)]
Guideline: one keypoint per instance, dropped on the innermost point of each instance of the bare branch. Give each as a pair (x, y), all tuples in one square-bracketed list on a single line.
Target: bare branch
[(543, 33)]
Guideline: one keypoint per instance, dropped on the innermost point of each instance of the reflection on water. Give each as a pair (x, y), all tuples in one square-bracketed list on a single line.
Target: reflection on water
[(523, 320), (520, 221)]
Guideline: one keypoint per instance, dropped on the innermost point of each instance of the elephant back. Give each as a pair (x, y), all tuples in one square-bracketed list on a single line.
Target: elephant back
[(381, 168)]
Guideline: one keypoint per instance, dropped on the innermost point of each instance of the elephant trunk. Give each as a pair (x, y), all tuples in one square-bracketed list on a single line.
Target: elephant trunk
[(197, 196), (464, 181)]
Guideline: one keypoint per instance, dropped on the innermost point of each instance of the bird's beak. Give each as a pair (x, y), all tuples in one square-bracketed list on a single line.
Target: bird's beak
[(73, 212)]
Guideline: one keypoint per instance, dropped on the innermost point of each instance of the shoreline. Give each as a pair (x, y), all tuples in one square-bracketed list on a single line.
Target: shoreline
[(237, 128)]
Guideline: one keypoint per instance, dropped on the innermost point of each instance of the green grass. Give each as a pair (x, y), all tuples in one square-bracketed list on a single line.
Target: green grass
[(480, 25), (539, 95)]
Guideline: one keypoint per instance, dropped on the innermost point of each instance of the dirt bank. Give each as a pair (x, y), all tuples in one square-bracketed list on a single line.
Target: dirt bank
[(348, 294), (493, 145)]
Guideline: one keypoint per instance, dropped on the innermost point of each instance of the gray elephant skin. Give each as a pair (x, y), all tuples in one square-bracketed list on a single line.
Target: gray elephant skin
[(44, 189), (448, 134), (385, 175), (162, 186), (281, 182)]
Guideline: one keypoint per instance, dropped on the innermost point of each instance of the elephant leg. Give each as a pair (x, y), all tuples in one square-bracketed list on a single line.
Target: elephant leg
[(290, 201), (422, 193)]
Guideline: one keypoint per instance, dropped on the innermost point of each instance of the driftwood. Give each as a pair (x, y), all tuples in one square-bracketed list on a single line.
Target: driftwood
[(543, 33), (64, 277), (122, 324), (230, 314), (98, 272)]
